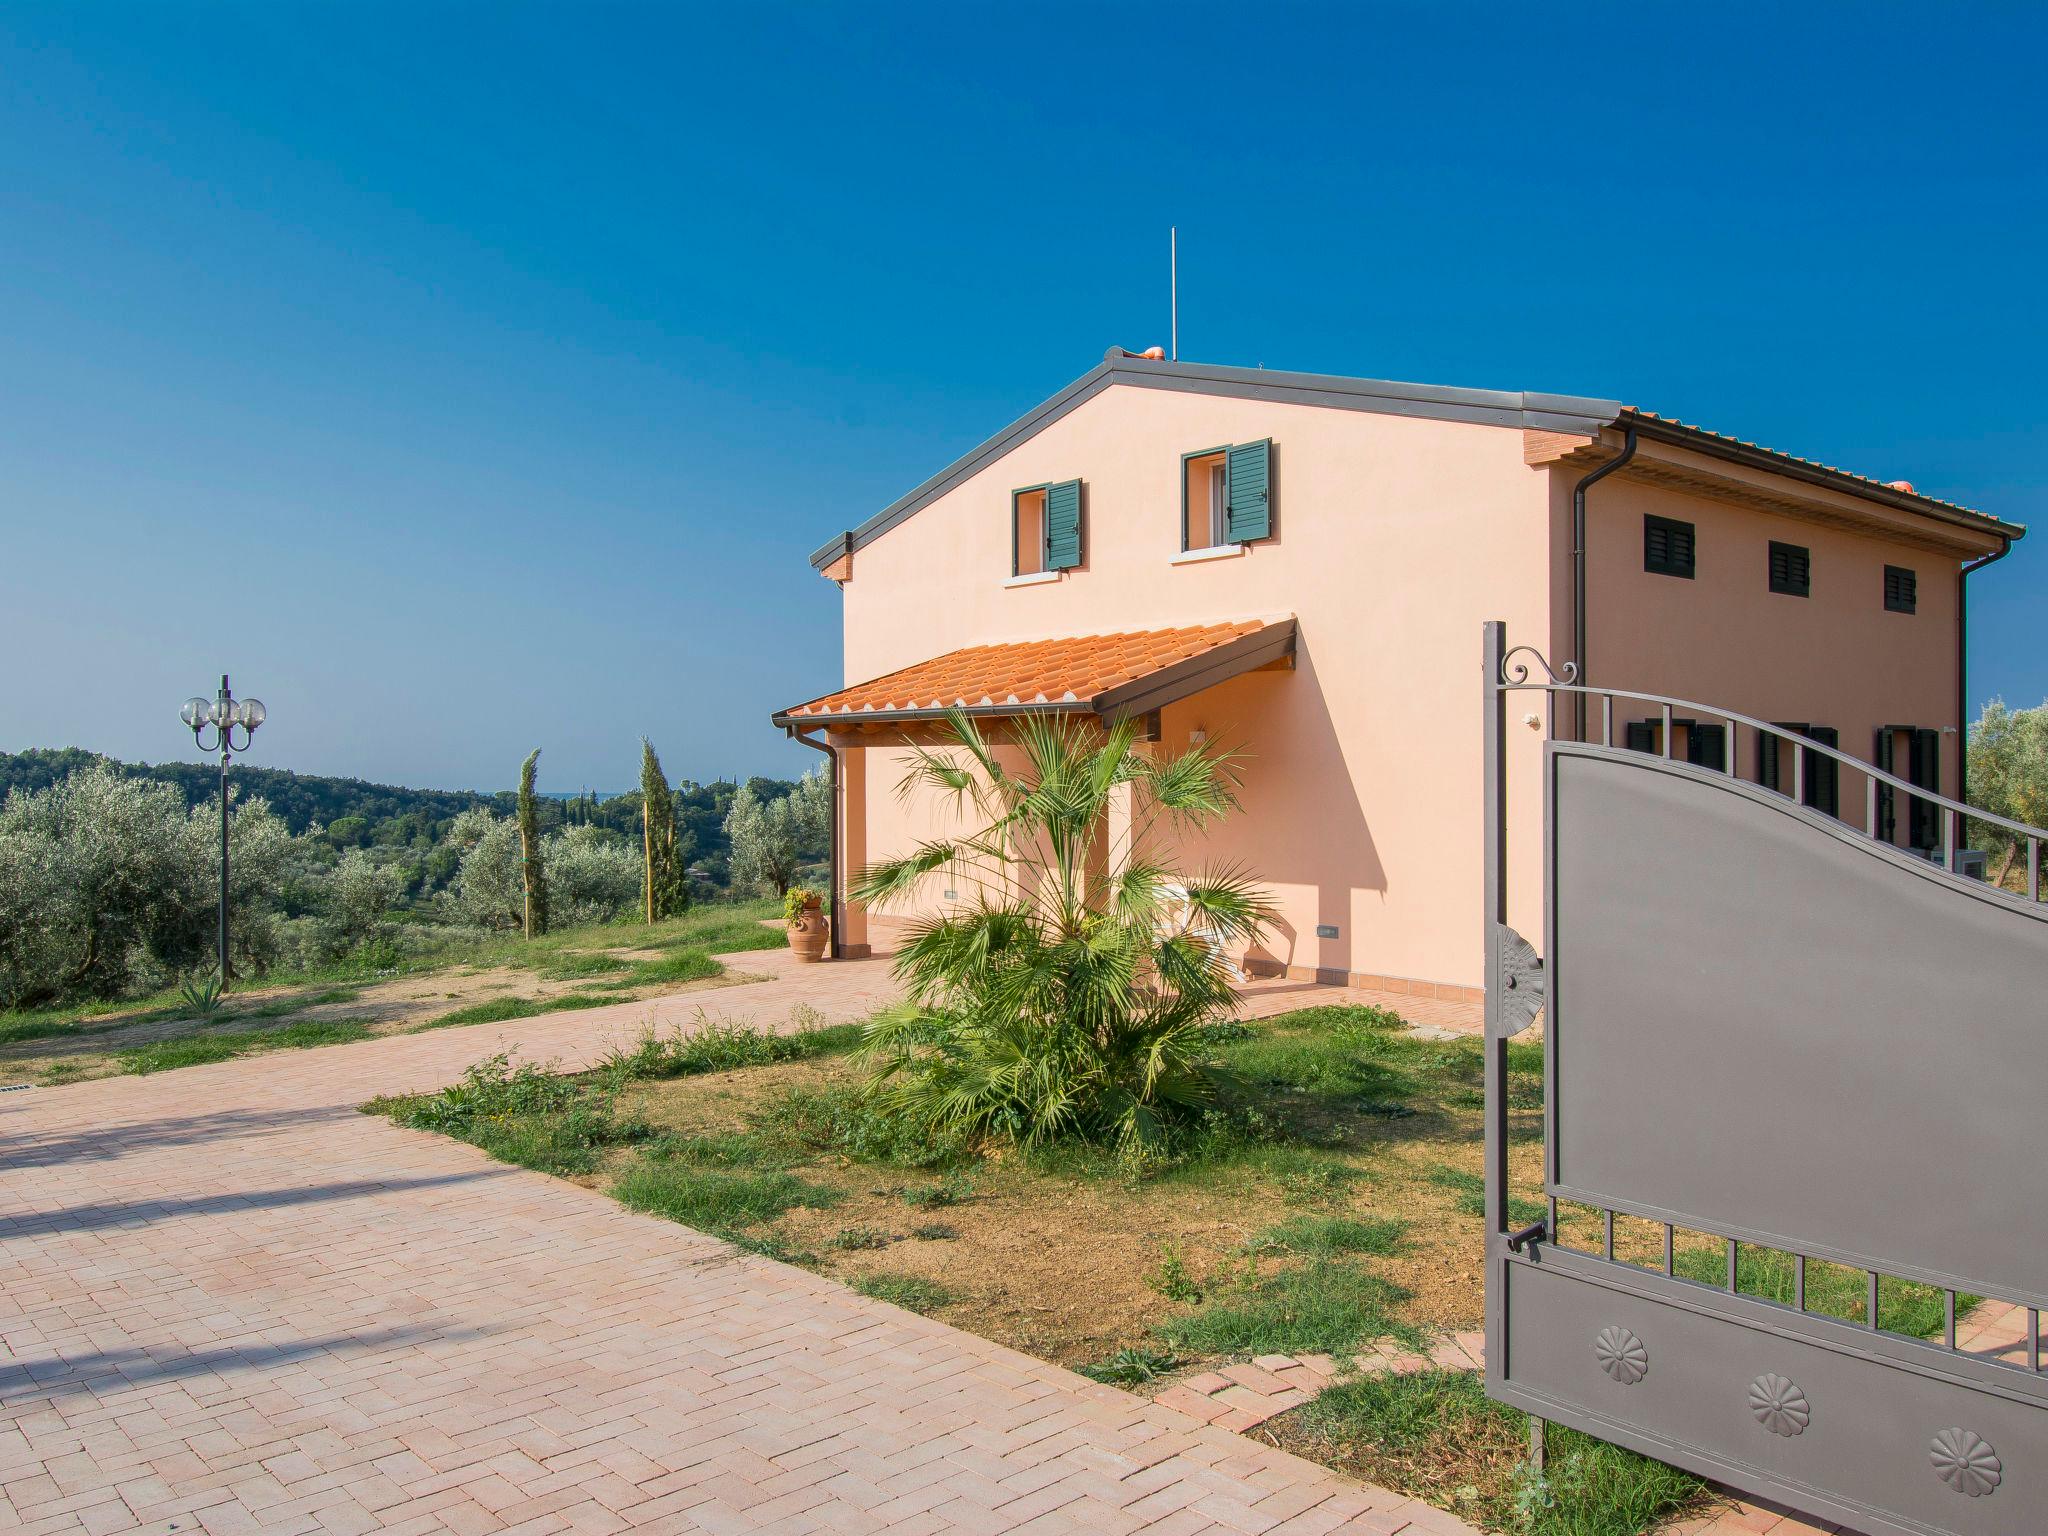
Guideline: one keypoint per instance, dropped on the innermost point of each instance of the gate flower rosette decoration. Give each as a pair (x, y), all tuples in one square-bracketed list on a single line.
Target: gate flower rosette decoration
[(1622, 1355), (1779, 1405), (1966, 1461)]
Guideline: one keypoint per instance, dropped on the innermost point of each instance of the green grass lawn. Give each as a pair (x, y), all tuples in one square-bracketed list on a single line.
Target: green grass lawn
[(1394, 1430), (603, 964)]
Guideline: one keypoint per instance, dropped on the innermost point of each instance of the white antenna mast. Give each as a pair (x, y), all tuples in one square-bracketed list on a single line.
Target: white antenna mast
[(1173, 265)]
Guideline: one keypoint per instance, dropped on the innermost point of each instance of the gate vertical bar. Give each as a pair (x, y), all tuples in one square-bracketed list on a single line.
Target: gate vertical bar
[(1493, 653)]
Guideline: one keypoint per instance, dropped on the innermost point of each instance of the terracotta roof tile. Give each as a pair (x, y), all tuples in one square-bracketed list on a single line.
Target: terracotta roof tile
[(1076, 670)]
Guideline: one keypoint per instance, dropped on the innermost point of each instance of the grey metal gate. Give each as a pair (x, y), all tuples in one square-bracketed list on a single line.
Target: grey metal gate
[(1766, 1029)]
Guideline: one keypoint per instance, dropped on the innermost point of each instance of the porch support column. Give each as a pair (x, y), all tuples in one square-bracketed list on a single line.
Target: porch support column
[(852, 811), (1119, 821)]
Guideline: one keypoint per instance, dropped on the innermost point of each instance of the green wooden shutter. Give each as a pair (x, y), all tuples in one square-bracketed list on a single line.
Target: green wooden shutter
[(1886, 818), (1640, 735), (1823, 774), (1707, 745), (1063, 525), (1924, 768), (1249, 513)]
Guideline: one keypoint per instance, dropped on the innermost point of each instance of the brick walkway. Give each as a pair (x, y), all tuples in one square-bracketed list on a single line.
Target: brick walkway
[(231, 1303)]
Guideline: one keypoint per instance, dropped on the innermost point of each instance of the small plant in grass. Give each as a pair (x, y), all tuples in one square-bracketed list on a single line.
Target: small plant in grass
[(526, 1115), (858, 1239), (1173, 1279), (934, 1232), (202, 994), (843, 1119), (201, 1050), (1132, 1367), (1470, 1189), (1324, 1307), (913, 1293), (499, 1009), (950, 1190), (678, 965), (722, 1046), (716, 1200), (1327, 1236), (580, 963)]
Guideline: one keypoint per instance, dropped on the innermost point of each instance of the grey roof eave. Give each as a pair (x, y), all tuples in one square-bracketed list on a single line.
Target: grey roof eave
[(1488, 407), (1679, 435)]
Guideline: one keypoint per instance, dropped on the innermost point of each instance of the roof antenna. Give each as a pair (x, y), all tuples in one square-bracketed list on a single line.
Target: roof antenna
[(1173, 267)]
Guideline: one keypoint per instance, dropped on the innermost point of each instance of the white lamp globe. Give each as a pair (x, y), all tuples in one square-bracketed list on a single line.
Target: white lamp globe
[(195, 713), (251, 713)]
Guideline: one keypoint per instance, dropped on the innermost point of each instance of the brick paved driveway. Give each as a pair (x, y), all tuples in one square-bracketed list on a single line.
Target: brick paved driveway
[(229, 1302)]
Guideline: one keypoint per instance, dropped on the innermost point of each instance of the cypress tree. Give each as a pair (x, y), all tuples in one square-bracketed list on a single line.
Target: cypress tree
[(535, 877), (667, 892)]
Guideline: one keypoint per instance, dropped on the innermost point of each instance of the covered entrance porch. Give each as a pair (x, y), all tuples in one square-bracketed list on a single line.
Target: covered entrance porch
[(867, 730)]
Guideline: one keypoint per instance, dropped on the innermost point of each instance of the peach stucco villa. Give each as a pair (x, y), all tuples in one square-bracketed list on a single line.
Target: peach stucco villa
[(1299, 565)]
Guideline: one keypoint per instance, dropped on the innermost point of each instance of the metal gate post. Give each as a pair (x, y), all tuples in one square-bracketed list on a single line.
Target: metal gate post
[(1493, 655)]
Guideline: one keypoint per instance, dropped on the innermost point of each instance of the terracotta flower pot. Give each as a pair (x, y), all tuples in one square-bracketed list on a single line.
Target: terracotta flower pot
[(808, 932)]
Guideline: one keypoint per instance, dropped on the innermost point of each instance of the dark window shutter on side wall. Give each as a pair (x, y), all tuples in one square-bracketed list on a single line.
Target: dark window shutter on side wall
[(1923, 767), (1667, 547), (1707, 745), (1249, 513), (1823, 774), (1640, 736), (1886, 819), (1063, 525)]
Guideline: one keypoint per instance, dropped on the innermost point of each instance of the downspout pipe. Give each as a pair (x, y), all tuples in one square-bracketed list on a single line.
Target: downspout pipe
[(1963, 666), (837, 908), (1586, 483)]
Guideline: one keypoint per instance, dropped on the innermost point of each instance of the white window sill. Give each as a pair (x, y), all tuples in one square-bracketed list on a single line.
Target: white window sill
[(1034, 579), (1213, 552)]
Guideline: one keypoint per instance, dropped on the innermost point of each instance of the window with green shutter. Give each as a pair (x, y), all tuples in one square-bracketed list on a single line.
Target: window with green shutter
[(1063, 525), (1045, 528), (1226, 496), (1249, 512)]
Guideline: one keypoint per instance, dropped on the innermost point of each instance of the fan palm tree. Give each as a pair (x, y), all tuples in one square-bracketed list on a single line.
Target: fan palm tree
[(1073, 996)]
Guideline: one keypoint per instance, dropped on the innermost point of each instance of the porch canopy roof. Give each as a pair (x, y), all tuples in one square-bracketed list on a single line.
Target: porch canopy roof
[(1108, 676)]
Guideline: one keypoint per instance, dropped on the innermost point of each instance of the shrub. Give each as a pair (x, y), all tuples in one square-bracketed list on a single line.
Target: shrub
[(1132, 1367), (1077, 997), (913, 1293)]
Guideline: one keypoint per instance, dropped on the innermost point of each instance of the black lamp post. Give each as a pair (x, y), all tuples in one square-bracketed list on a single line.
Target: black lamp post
[(223, 712)]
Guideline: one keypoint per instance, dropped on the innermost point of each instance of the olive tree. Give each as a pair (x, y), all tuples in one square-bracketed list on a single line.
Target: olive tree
[(2008, 766), (108, 882), (359, 891), (771, 839)]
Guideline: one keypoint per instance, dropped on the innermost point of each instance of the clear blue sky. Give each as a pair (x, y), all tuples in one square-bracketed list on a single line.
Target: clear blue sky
[(465, 378)]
